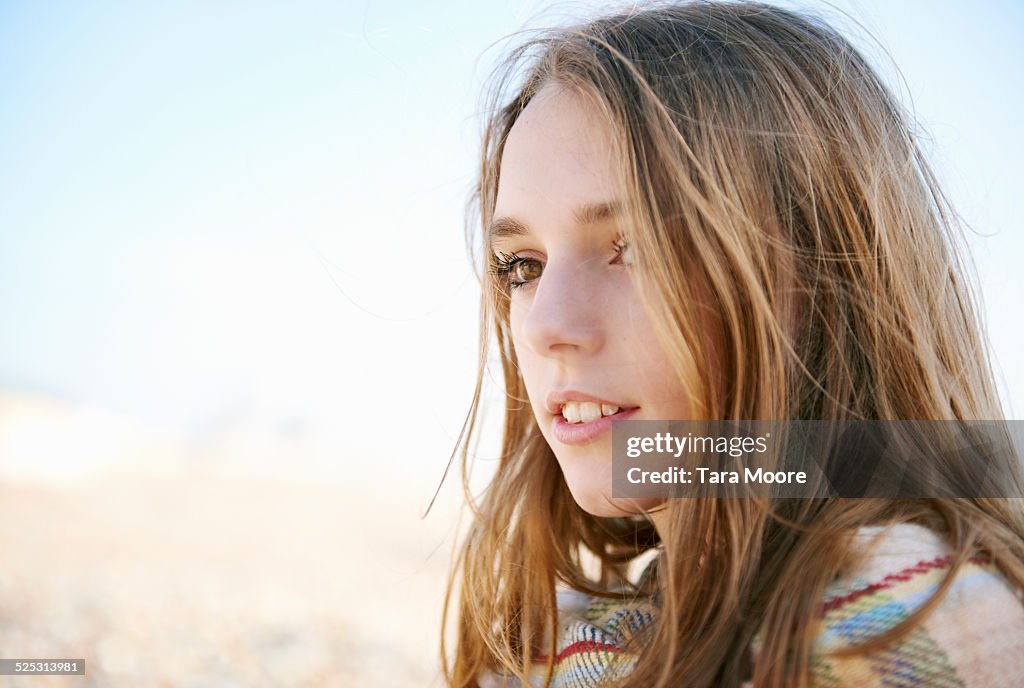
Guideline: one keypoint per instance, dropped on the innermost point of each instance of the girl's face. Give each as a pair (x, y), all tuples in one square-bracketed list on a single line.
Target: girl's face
[(586, 348)]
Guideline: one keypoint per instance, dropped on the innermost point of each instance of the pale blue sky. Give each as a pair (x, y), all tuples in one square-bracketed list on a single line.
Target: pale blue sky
[(214, 211)]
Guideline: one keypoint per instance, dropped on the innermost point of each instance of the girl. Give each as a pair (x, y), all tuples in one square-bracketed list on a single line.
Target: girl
[(717, 211)]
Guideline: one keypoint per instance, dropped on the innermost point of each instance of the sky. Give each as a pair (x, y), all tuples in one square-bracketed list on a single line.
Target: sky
[(218, 215)]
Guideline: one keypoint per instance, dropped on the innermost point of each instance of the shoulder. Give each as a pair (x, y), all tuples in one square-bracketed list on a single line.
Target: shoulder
[(974, 637)]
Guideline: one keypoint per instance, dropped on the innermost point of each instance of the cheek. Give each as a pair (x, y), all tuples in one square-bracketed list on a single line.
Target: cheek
[(660, 385), (515, 330), (638, 335), (527, 361), (515, 320)]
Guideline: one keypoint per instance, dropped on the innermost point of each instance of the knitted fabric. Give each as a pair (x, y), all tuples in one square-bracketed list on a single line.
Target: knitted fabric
[(973, 639)]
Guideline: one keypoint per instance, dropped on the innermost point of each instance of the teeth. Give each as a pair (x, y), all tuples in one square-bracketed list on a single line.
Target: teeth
[(586, 411), (589, 411)]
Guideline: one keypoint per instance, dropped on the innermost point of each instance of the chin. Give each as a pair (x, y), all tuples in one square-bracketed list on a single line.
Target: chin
[(590, 483), (601, 507), (600, 503)]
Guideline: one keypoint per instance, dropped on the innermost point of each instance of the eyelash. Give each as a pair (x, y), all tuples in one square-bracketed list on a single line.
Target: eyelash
[(505, 264)]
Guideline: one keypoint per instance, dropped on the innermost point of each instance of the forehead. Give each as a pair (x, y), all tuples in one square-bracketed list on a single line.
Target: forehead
[(558, 156)]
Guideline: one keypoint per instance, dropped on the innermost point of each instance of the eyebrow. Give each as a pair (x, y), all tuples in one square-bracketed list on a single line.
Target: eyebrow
[(590, 213)]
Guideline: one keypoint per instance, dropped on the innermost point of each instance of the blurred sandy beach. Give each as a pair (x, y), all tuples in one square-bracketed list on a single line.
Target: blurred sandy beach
[(203, 577)]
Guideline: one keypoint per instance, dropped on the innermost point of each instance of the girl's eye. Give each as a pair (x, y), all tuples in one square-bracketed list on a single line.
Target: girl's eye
[(527, 270), (516, 270), (622, 253)]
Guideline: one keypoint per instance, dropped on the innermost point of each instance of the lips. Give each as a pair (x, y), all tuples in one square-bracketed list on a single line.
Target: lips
[(583, 433)]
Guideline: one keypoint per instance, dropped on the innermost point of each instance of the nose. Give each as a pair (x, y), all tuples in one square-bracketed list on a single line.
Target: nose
[(566, 311)]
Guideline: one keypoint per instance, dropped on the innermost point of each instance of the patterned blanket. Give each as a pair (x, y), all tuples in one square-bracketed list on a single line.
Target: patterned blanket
[(974, 639)]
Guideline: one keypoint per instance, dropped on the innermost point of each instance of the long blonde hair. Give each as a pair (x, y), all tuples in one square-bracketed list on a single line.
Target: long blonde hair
[(770, 170)]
